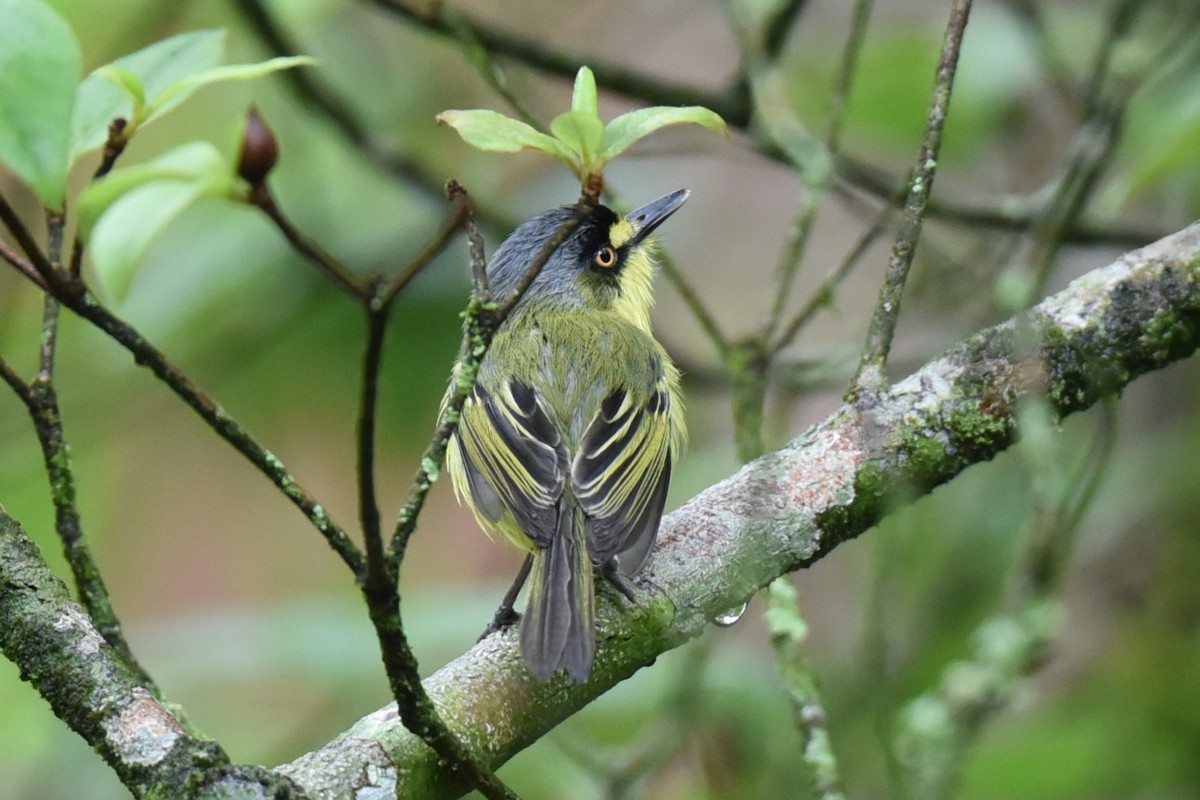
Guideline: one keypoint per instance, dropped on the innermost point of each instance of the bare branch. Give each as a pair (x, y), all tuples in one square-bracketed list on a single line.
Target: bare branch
[(93, 690), (887, 310)]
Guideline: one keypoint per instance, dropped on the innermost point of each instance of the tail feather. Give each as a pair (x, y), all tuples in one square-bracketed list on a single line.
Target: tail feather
[(557, 629)]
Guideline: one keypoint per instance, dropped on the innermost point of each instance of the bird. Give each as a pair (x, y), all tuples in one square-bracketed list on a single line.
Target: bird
[(566, 442)]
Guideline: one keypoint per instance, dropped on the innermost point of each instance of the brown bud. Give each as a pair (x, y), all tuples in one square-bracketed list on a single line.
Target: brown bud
[(259, 149)]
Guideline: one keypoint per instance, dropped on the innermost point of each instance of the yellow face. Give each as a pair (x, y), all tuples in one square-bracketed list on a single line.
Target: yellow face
[(620, 233), (636, 295)]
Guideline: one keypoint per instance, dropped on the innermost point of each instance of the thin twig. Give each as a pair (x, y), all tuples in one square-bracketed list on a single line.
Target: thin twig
[(781, 23), (381, 586), (48, 342), (587, 203), (1104, 109), (22, 265), (114, 146), (1091, 153), (1014, 214), (859, 18), (83, 303), (460, 211), (1031, 14), (691, 299), (822, 296), (733, 104), (380, 589), (368, 506), (788, 635), (37, 259), (440, 19), (1056, 520), (478, 55), (478, 257), (870, 375), (1120, 27), (260, 196), (816, 179), (15, 382), (41, 402)]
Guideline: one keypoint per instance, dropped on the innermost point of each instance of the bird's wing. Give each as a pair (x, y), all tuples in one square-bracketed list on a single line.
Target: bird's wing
[(620, 476), (513, 457)]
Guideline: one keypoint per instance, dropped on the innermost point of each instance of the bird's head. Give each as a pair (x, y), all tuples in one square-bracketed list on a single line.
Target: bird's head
[(604, 264)]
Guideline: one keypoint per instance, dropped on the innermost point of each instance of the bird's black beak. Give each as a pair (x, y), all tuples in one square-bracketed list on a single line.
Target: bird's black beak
[(655, 213)]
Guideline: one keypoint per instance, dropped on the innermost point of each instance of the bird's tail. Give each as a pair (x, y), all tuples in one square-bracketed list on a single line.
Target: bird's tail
[(557, 629)]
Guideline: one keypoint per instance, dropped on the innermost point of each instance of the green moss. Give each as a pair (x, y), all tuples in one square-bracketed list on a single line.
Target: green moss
[(974, 429), (925, 455), (838, 523)]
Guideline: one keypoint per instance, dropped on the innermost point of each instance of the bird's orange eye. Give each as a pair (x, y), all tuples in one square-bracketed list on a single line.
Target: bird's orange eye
[(605, 258)]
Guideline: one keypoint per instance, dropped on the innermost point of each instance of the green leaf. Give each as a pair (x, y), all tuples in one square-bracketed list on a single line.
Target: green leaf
[(629, 128), (123, 235), (191, 162), (39, 68), (583, 97), (98, 102), (177, 91), (127, 82), (489, 130), (124, 212), (580, 140), (581, 131)]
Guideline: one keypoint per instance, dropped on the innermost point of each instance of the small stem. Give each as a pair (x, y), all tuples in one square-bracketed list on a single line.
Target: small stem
[(49, 338), (114, 146), (328, 102), (438, 18), (582, 209), (1031, 14), (1015, 214), (78, 299), (793, 255), (817, 174), (882, 329), (460, 211), (368, 506), (41, 401), (861, 15), (260, 196), (747, 365), (22, 266), (692, 300), (28, 245), (415, 707), (478, 257), (823, 295), (381, 586), (788, 635), (776, 31)]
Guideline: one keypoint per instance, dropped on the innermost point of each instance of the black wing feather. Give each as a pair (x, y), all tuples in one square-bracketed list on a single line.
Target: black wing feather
[(514, 461), (621, 476)]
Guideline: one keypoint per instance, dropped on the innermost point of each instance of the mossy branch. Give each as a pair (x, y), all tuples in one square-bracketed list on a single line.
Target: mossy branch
[(90, 687)]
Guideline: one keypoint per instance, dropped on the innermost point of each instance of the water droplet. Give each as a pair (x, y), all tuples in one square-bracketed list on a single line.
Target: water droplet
[(730, 617)]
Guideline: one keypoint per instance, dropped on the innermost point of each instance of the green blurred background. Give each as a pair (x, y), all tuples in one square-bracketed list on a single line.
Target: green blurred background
[(247, 619)]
